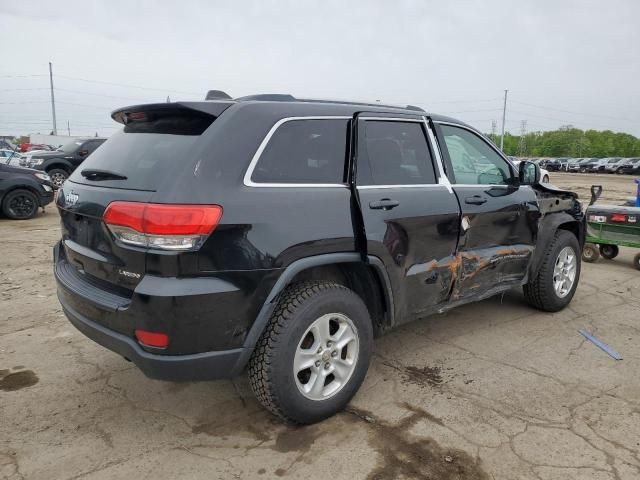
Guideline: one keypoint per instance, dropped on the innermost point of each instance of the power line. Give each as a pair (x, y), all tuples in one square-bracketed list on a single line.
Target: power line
[(22, 76), (126, 85), (573, 112)]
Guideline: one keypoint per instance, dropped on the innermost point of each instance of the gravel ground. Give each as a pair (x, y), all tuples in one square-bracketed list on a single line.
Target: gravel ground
[(493, 390)]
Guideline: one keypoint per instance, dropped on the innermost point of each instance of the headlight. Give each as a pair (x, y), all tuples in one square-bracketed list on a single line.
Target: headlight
[(36, 161), (43, 176)]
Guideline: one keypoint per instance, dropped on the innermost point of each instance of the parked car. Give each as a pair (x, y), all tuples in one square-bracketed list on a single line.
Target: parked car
[(62, 162), (552, 165), (10, 157), (28, 147), (23, 191), (278, 235), (578, 164), (613, 167), (613, 164), (595, 165), (632, 167)]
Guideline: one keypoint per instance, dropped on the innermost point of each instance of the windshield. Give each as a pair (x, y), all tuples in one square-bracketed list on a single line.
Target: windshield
[(70, 147)]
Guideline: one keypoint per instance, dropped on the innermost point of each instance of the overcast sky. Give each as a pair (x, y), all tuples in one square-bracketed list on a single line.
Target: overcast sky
[(563, 62)]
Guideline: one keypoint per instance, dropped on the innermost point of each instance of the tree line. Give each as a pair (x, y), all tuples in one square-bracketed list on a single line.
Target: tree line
[(570, 142)]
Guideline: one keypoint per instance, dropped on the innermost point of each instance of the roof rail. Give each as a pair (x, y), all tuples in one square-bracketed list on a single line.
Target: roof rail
[(285, 97), (268, 97), (365, 104)]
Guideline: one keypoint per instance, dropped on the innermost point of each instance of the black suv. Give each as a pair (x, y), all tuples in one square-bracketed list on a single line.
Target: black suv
[(23, 191), (280, 234), (60, 163)]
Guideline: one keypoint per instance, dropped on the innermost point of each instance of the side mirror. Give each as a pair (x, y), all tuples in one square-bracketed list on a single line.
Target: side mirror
[(528, 173)]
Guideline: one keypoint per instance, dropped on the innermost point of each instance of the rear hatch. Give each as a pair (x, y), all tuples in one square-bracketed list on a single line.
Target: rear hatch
[(128, 169)]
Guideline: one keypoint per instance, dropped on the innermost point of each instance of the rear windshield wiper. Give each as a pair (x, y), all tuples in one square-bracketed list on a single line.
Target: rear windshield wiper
[(92, 174)]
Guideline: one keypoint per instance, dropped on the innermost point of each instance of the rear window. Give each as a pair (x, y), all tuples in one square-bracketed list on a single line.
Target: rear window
[(147, 152), (304, 151)]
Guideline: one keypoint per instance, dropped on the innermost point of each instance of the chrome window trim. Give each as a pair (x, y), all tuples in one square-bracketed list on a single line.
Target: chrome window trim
[(476, 185), (493, 147), (392, 119), (265, 141), (435, 146), (415, 185)]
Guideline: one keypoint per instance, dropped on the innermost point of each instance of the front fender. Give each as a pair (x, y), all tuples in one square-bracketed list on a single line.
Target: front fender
[(547, 229)]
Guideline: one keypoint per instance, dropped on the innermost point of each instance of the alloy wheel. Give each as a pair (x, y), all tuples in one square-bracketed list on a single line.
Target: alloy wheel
[(564, 271), (326, 356)]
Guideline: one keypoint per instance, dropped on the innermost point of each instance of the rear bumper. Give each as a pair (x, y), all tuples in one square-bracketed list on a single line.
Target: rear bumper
[(175, 368), (201, 347)]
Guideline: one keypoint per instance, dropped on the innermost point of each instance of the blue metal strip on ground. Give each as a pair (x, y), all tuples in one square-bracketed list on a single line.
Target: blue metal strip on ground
[(602, 346)]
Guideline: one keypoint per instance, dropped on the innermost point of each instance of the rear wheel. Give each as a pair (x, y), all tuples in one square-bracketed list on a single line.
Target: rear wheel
[(609, 251), (545, 179), (590, 253), (314, 352), (58, 176), (636, 261), (20, 204), (555, 284)]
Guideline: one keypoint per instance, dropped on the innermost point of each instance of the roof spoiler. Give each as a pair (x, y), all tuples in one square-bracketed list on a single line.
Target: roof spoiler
[(217, 95), (210, 108)]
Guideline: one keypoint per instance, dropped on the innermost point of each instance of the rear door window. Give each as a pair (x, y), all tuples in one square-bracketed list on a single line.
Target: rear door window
[(304, 152), (394, 153)]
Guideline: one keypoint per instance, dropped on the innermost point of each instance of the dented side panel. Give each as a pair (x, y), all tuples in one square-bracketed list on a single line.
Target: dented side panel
[(497, 238)]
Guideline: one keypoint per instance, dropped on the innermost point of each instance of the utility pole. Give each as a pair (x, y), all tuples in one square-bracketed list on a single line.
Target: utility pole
[(522, 147), (53, 101), (504, 115), (68, 128)]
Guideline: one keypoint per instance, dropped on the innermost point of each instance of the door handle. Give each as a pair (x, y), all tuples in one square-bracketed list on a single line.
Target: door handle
[(384, 204), (475, 200)]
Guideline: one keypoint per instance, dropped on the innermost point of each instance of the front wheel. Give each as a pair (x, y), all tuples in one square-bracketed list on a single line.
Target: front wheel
[(58, 176), (314, 353), (20, 204), (609, 251), (557, 279), (636, 261)]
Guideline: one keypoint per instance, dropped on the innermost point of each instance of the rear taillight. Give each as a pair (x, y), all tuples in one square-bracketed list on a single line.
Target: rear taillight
[(162, 226), (618, 217)]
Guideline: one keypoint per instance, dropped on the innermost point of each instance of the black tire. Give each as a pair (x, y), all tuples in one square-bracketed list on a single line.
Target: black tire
[(583, 170), (271, 373), (20, 204), (540, 291), (609, 251), (636, 261), (58, 176), (545, 179), (590, 253)]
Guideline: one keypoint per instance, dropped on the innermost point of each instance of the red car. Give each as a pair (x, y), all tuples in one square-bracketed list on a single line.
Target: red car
[(27, 147)]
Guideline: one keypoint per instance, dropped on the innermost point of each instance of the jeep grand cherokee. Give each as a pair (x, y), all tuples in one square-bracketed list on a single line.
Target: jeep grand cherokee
[(278, 235)]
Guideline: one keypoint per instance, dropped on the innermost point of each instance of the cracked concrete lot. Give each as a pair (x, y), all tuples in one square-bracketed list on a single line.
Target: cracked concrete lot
[(493, 390)]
